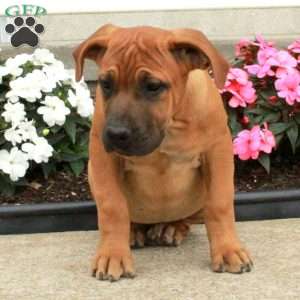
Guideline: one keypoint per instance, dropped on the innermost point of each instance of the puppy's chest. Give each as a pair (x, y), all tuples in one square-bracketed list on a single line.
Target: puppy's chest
[(173, 165), (163, 176), (164, 163), (165, 188)]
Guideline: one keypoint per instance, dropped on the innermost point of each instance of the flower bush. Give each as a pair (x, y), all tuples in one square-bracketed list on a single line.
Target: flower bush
[(44, 118), (262, 96)]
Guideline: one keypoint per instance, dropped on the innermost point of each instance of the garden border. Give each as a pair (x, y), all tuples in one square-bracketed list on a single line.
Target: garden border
[(72, 216)]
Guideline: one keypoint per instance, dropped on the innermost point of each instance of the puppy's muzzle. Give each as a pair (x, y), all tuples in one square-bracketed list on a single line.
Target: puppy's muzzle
[(127, 140), (118, 137)]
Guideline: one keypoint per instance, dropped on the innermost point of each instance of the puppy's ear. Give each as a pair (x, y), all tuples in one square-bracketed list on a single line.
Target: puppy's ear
[(193, 50), (93, 48)]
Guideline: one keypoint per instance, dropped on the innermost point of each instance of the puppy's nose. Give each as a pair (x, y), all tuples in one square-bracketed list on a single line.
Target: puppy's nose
[(118, 134)]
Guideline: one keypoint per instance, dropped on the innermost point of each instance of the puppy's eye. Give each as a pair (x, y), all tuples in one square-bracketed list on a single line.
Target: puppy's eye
[(153, 88), (107, 86)]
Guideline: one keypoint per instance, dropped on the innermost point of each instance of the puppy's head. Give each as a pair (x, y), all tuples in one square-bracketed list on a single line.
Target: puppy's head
[(142, 77)]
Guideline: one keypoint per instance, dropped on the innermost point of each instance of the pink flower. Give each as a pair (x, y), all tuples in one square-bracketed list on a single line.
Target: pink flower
[(243, 43), (267, 140), (240, 87), (263, 68), (262, 43), (270, 59), (295, 46), (249, 143), (288, 87), (283, 61)]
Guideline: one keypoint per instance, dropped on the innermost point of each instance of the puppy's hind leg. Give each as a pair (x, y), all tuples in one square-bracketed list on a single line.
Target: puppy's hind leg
[(160, 234)]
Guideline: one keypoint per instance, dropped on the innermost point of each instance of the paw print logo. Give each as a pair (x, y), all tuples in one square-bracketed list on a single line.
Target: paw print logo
[(24, 31)]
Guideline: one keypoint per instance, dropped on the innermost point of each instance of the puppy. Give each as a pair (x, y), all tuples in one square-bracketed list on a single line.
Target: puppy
[(160, 149)]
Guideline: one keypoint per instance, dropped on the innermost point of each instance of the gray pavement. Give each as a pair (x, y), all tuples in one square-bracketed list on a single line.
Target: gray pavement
[(56, 266)]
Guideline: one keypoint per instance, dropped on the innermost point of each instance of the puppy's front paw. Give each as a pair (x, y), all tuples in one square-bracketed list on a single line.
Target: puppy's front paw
[(112, 263), (232, 259)]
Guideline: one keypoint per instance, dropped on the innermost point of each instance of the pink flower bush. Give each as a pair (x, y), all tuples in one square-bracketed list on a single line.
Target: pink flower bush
[(249, 143), (263, 86), (288, 87), (240, 87)]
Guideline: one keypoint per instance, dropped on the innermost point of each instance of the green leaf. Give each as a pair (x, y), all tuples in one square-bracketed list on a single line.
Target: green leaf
[(280, 127), (272, 117), (278, 139), (48, 168), (84, 139), (2, 140), (70, 127), (258, 119), (256, 111), (7, 187), (54, 139), (298, 143), (264, 160), (297, 118), (233, 123), (77, 166), (268, 107), (292, 134), (69, 157), (266, 93)]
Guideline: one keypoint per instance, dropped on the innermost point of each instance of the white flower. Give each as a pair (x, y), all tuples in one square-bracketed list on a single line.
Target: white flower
[(12, 65), (43, 56), (71, 78), (56, 72), (21, 132), (19, 59), (71, 75), (54, 111), (27, 130), (39, 151), (12, 135), (13, 99), (14, 163), (14, 112), (30, 86), (82, 100)]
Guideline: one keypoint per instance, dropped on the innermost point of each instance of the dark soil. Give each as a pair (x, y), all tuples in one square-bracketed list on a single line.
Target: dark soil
[(249, 176), (63, 187), (252, 177)]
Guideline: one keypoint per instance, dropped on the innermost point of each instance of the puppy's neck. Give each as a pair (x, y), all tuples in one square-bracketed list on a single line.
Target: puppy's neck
[(195, 104), (196, 118)]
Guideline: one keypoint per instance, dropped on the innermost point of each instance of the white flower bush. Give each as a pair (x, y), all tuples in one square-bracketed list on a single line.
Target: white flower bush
[(44, 117)]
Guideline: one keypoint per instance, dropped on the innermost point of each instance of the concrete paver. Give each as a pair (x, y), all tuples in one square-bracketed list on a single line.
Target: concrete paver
[(56, 266)]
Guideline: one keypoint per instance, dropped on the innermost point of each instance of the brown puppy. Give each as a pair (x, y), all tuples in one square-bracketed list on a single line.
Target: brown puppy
[(160, 149)]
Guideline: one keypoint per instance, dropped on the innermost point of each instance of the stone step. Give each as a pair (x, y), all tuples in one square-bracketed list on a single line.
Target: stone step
[(224, 27)]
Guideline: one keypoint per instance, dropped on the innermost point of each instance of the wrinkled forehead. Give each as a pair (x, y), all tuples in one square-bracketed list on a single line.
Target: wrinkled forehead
[(133, 51)]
